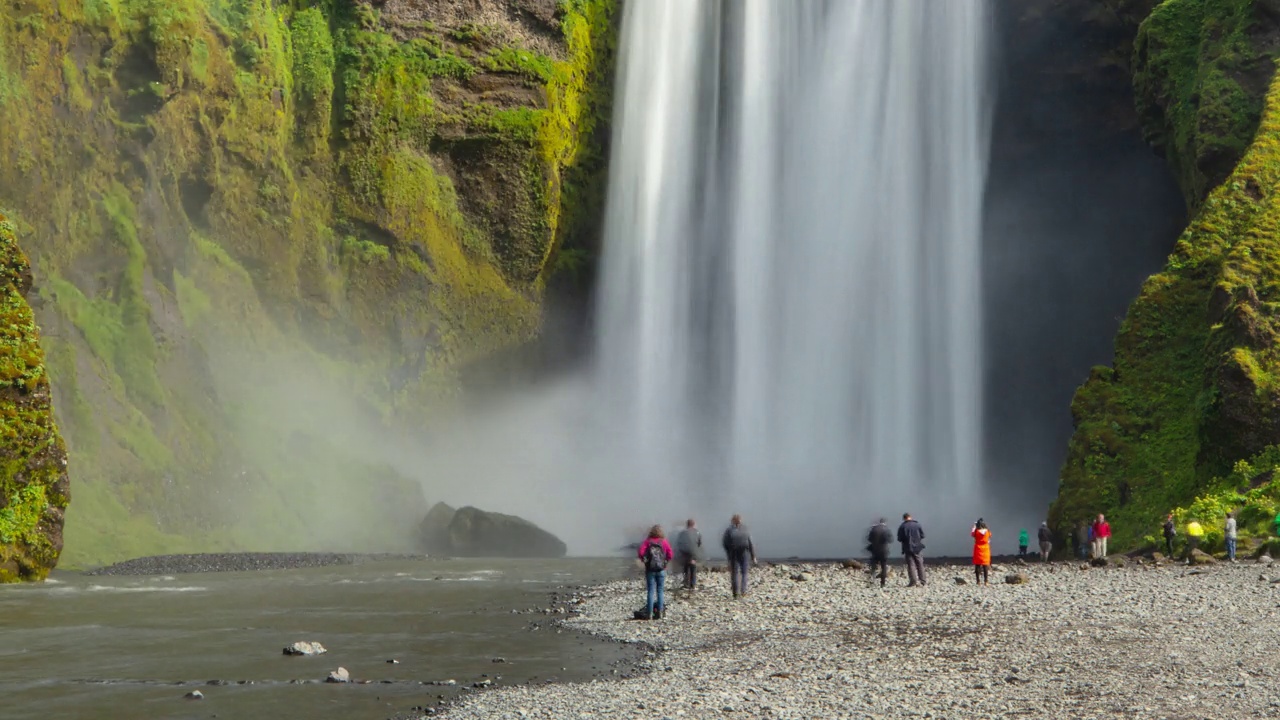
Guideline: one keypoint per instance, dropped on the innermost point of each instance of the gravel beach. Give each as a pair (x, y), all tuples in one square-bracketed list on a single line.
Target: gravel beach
[(1133, 642)]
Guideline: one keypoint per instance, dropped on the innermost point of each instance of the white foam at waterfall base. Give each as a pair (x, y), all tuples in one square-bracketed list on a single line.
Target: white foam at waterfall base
[(789, 319)]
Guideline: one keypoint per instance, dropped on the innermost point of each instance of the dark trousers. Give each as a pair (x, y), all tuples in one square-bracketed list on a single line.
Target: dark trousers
[(883, 564), (690, 571), (980, 574), (1193, 542), (739, 561), (1168, 545), (915, 568)]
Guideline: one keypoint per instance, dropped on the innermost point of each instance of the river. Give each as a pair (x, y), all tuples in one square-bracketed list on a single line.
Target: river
[(90, 647)]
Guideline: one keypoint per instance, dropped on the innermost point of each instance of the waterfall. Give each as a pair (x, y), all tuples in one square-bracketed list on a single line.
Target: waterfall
[(789, 316)]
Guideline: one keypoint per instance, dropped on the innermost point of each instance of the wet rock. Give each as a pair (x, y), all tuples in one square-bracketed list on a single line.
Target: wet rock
[(339, 676), (194, 695), (305, 648), (1016, 579)]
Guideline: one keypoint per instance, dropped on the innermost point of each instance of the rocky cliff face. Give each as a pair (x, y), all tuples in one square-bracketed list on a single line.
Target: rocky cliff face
[(238, 208), (1191, 408), (33, 461)]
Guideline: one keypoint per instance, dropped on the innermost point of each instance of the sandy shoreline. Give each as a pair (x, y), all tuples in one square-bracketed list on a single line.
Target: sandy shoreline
[(1139, 641)]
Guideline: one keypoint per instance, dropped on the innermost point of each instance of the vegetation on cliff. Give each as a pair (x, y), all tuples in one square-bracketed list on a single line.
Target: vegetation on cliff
[(33, 461), (1191, 407), (224, 195)]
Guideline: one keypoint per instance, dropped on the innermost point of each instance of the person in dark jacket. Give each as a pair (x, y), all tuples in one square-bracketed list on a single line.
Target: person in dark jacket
[(1084, 537), (1170, 532), (911, 535), (1045, 536), (878, 540), (741, 551), (689, 548)]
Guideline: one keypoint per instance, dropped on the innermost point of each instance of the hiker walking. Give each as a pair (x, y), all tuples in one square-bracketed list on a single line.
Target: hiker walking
[(982, 552), (689, 545), (911, 535), (1170, 532), (1045, 536), (741, 552), (1101, 531), (655, 551), (1231, 534), (878, 540)]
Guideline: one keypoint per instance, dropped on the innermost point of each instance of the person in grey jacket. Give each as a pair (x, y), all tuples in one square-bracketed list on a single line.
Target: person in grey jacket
[(911, 535), (689, 550), (740, 549)]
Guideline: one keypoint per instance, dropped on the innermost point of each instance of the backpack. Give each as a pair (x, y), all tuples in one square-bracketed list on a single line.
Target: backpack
[(655, 558), (739, 539)]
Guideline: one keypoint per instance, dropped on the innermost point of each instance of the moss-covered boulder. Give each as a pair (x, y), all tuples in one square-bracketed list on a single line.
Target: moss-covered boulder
[(34, 489), (1193, 390)]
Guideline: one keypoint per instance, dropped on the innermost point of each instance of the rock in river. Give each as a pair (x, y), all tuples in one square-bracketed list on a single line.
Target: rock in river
[(471, 532), (339, 676), (305, 648)]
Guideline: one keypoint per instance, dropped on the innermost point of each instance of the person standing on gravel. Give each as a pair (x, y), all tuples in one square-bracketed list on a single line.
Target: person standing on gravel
[(1231, 536), (655, 551), (911, 535), (1045, 536), (741, 551), (1023, 541), (982, 552), (878, 540), (1194, 532), (1101, 531), (1170, 532), (689, 545), (1084, 534)]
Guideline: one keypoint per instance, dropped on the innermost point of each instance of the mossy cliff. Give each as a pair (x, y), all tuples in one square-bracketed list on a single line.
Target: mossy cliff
[(224, 195), (1191, 405), (33, 460)]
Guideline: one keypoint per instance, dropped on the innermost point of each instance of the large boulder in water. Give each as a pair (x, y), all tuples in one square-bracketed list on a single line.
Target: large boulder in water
[(433, 531), (471, 532)]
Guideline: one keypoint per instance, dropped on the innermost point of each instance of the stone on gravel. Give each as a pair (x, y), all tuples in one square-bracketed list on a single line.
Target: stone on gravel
[(802, 577), (339, 676), (305, 648), (1098, 562), (1158, 558), (1200, 557), (1265, 560), (853, 565), (961, 581), (1016, 579)]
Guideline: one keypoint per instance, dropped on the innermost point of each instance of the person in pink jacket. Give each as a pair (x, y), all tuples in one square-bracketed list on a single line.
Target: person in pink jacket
[(655, 552), (1101, 531)]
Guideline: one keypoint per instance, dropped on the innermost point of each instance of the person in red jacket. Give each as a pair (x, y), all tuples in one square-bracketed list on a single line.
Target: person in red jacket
[(1101, 531), (655, 551), (981, 552)]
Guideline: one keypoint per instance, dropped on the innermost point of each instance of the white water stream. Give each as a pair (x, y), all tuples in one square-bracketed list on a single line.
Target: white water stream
[(790, 315)]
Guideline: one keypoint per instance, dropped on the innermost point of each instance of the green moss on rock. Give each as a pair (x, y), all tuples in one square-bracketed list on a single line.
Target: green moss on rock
[(34, 489), (1192, 391), (1201, 69)]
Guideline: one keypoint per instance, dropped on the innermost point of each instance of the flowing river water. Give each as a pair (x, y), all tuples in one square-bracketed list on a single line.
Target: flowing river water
[(89, 647)]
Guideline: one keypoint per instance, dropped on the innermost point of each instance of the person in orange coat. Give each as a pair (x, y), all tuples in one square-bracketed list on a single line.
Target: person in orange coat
[(981, 552)]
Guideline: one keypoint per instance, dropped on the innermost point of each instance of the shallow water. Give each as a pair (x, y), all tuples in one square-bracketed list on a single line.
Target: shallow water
[(115, 647)]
